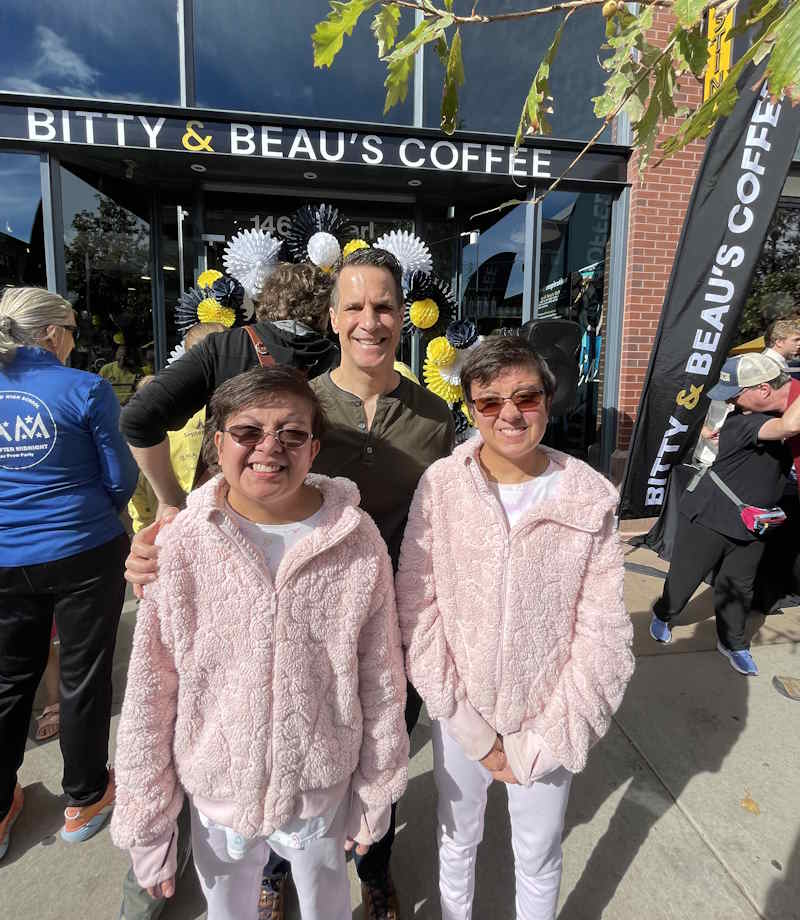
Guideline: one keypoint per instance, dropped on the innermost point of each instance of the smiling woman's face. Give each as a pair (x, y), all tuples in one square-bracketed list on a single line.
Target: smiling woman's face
[(267, 475), (513, 434)]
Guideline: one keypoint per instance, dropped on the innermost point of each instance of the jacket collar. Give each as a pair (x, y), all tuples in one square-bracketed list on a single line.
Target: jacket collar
[(339, 516), (33, 354), (582, 500)]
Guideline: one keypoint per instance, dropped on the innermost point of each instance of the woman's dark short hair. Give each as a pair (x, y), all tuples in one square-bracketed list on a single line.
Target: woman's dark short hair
[(256, 388), (300, 292), (499, 353), (376, 258)]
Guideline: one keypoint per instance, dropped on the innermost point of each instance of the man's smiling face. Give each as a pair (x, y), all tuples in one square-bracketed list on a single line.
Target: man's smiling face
[(368, 317)]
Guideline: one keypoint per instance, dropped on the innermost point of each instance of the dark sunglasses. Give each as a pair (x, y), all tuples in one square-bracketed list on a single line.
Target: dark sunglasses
[(74, 330), (525, 401), (253, 435)]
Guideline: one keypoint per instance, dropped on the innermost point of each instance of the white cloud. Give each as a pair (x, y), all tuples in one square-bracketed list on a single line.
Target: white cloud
[(57, 58)]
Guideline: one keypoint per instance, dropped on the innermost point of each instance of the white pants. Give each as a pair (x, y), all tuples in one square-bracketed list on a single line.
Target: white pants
[(537, 821), (231, 887)]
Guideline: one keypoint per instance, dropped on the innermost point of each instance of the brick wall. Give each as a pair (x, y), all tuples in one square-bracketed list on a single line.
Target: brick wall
[(657, 211)]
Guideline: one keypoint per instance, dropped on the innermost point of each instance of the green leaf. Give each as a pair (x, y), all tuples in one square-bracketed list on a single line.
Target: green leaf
[(783, 69), (329, 34), (400, 63), (454, 78), (442, 51), (646, 130), (449, 5), (691, 50), (384, 27), (688, 12), (537, 102)]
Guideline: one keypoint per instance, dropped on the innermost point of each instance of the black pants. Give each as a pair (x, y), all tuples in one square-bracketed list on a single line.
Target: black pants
[(84, 593), (699, 551), (374, 865)]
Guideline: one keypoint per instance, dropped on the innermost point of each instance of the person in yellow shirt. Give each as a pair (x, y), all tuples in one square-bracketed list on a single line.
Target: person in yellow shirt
[(184, 447)]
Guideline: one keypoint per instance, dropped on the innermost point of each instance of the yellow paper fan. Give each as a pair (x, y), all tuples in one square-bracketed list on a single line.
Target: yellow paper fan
[(212, 311), (353, 245), (424, 313), (208, 277), (434, 381), (440, 352)]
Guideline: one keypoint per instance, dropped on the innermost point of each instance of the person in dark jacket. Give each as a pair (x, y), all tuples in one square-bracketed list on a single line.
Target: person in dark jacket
[(292, 321), (65, 474)]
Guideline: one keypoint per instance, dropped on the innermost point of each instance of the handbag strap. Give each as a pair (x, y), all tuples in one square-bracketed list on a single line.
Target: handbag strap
[(265, 359), (727, 491)]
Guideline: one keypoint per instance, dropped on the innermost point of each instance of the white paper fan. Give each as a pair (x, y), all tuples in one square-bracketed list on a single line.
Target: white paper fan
[(324, 250), (409, 250), (251, 257), (177, 352)]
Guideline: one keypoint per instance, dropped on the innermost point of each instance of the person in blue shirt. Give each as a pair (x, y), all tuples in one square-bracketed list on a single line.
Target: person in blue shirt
[(65, 474)]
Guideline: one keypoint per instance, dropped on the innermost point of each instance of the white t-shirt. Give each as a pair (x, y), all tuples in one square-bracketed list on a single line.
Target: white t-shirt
[(274, 541), (521, 497)]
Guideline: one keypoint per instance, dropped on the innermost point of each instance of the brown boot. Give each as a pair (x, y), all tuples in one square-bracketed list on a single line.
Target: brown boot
[(380, 899), (272, 900)]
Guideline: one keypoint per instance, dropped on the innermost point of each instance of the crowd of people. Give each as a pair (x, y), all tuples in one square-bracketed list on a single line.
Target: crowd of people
[(315, 558)]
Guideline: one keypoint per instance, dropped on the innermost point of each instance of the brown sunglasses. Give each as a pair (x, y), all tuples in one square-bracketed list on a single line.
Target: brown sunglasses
[(524, 401)]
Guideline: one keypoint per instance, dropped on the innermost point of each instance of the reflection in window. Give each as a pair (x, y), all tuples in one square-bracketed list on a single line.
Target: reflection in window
[(256, 55), (776, 283), (107, 259), (500, 60), (21, 236), (492, 269), (573, 276), (93, 48)]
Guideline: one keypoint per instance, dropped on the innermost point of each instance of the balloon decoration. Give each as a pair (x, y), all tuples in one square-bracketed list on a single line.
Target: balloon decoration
[(315, 234)]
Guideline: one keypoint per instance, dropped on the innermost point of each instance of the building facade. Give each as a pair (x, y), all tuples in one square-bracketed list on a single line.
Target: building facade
[(135, 141)]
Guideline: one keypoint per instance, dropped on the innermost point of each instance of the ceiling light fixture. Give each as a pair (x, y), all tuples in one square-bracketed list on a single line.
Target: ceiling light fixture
[(309, 175), (414, 183), (168, 268), (145, 277), (197, 167)]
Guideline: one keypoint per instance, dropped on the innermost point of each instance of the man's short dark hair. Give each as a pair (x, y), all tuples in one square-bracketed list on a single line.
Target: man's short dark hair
[(256, 388), (376, 258), (500, 353)]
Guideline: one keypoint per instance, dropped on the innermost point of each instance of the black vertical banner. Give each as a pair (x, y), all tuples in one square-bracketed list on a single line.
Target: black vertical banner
[(745, 165)]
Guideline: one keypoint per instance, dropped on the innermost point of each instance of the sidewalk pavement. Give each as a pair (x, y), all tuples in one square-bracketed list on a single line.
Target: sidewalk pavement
[(689, 808)]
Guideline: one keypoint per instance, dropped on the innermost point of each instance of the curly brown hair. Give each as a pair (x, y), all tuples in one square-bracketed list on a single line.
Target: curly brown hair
[(299, 292)]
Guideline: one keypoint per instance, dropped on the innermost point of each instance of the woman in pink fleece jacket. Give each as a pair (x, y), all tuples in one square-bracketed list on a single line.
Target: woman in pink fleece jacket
[(266, 679), (510, 601)]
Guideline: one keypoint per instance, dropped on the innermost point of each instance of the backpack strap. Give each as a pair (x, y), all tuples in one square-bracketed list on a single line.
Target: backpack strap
[(727, 491), (265, 359)]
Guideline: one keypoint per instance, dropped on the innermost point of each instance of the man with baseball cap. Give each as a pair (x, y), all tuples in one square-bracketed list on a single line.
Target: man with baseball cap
[(752, 464)]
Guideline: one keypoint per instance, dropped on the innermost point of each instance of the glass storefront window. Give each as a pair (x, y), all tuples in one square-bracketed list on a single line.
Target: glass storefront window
[(493, 268), (775, 291), (256, 56), (95, 49), (107, 259), (21, 235), (500, 60), (573, 285)]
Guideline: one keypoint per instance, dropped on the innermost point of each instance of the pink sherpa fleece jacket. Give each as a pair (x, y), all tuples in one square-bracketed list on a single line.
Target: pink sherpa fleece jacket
[(256, 693), (522, 633)]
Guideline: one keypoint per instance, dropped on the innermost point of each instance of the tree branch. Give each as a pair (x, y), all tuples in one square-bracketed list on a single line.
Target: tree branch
[(432, 12)]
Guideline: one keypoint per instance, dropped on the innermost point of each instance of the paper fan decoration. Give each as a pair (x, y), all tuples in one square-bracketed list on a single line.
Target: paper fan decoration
[(409, 250), (177, 352), (436, 383), (440, 352), (354, 245), (461, 418), (208, 277), (463, 333), (250, 257), (423, 287), (218, 303), (324, 250), (308, 221)]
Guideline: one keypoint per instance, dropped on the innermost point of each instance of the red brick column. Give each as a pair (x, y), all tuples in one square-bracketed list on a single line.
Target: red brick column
[(657, 210)]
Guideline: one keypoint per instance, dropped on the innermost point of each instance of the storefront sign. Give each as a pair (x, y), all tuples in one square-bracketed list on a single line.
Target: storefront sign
[(307, 145)]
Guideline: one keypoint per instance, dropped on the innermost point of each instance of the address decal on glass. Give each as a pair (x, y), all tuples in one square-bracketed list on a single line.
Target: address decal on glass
[(310, 145)]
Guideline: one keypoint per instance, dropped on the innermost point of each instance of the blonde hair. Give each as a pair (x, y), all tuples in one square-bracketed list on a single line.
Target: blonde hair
[(782, 329), (25, 314)]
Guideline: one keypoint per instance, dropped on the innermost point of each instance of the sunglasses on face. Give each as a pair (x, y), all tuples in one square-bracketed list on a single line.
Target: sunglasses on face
[(524, 401), (253, 435), (73, 330)]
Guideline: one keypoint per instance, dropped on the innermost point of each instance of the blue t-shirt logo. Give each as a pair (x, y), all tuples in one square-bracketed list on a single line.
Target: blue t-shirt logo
[(28, 430)]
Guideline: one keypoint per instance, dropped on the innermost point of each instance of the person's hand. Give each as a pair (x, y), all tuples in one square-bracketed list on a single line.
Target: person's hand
[(141, 566), (495, 760), (505, 775), (361, 848), (165, 889)]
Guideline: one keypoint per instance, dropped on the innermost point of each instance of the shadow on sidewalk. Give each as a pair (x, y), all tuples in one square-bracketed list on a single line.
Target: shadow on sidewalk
[(783, 897), (698, 725)]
